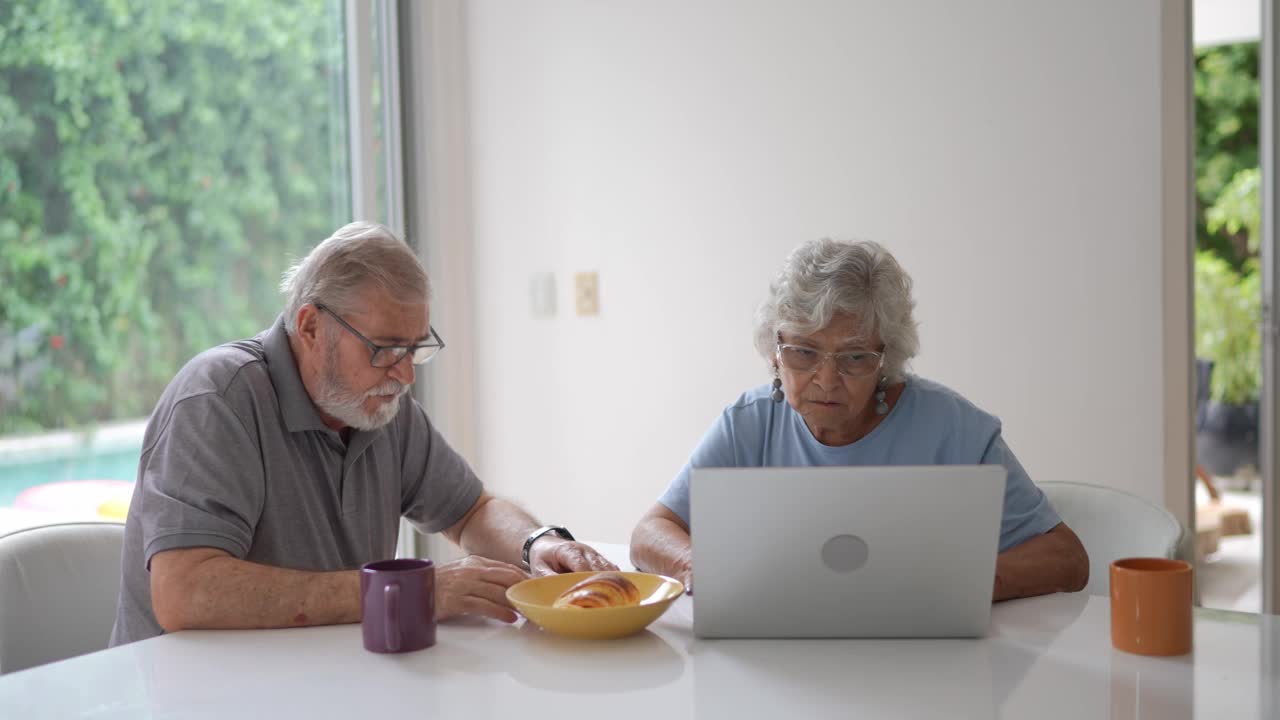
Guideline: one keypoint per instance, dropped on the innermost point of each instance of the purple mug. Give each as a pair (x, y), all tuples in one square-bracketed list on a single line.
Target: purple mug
[(398, 605)]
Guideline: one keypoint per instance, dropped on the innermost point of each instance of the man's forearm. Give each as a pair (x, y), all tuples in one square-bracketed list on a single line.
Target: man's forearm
[(1049, 563), (223, 592), (497, 529)]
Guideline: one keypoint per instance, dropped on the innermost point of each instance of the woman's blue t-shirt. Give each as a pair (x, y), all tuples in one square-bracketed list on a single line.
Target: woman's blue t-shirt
[(929, 425)]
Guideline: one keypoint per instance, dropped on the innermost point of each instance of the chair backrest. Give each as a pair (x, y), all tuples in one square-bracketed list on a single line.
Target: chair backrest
[(58, 590), (1113, 524)]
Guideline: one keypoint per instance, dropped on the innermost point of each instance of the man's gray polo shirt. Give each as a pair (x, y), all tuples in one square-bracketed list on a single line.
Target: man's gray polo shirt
[(236, 457)]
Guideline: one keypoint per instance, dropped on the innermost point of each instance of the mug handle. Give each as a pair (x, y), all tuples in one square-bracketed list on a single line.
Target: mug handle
[(391, 620)]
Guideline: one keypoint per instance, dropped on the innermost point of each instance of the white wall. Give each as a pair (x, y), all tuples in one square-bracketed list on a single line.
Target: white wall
[(1009, 153)]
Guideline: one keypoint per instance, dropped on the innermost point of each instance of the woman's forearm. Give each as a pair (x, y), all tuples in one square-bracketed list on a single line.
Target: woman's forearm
[(1053, 562), (661, 546)]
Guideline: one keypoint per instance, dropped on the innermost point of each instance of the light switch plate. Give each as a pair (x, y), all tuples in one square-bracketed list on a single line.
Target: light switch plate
[(542, 294), (587, 293)]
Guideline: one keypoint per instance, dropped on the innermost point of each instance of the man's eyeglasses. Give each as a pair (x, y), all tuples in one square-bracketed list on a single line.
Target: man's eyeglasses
[(384, 356), (854, 363)]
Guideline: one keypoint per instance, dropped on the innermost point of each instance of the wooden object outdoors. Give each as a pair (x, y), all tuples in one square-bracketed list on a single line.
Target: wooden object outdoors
[(1214, 520)]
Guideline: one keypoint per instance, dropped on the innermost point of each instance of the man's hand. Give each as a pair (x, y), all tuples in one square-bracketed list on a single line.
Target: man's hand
[(476, 585), (551, 555)]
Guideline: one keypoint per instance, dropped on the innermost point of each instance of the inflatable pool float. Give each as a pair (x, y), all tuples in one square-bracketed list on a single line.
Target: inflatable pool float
[(104, 499)]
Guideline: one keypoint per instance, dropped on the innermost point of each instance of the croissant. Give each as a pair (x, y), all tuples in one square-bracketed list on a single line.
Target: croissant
[(606, 589)]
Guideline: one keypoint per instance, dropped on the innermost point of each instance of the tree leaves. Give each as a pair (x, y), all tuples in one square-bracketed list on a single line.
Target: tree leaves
[(1226, 136), (160, 164)]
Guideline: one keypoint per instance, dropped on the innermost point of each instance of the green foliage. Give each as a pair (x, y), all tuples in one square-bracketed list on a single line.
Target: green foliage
[(160, 165), (1228, 286), (1226, 140), (1228, 308), (1237, 209)]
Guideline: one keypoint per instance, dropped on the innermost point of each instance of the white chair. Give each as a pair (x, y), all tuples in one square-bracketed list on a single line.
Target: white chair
[(1113, 524), (58, 591)]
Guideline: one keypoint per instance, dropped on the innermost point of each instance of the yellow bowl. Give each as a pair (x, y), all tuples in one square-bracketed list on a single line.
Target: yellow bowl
[(533, 598)]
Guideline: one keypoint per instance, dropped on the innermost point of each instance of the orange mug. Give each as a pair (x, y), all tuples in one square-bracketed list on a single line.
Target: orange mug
[(1151, 606)]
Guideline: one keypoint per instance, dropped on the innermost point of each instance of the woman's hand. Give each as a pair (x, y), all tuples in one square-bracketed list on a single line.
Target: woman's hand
[(661, 544)]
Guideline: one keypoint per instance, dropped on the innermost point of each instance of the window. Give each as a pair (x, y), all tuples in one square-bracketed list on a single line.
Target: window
[(161, 163)]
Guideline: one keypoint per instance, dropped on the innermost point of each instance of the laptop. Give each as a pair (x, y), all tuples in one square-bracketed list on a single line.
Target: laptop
[(858, 552)]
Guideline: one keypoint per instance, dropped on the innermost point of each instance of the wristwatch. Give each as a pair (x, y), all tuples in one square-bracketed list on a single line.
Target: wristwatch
[(528, 542)]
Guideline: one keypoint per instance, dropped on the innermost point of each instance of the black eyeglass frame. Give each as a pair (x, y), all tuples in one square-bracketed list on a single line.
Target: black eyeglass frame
[(398, 352)]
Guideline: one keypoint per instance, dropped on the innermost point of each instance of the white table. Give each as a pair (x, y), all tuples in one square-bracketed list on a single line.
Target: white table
[(1047, 657)]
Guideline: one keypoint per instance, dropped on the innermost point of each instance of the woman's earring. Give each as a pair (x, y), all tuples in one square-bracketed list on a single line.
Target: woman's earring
[(882, 407), (777, 394)]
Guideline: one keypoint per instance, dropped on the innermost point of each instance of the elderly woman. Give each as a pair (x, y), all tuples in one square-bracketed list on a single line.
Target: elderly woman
[(837, 332)]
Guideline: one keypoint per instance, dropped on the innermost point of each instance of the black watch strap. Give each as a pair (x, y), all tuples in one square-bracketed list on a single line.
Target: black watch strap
[(528, 542)]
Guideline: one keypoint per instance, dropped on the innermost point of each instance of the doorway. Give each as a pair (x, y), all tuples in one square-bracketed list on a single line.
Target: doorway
[(1228, 296)]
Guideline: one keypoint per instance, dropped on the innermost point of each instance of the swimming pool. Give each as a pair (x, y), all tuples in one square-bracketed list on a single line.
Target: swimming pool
[(114, 464)]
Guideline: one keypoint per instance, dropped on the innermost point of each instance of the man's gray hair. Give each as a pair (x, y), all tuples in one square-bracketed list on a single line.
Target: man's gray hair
[(356, 257), (824, 277)]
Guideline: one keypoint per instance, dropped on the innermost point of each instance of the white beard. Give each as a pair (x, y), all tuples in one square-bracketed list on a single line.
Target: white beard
[(346, 405)]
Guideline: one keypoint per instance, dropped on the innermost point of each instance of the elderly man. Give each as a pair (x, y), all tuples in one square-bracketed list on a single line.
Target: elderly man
[(273, 467)]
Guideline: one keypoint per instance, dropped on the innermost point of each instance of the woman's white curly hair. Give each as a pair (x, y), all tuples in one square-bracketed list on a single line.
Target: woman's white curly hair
[(824, 277)]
